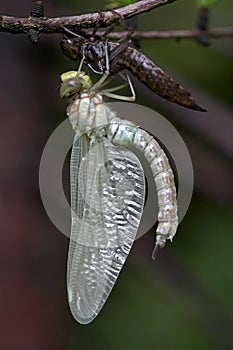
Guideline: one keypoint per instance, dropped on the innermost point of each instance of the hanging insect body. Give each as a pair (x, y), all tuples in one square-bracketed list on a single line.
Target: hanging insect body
[(107, 192), (122, 56)]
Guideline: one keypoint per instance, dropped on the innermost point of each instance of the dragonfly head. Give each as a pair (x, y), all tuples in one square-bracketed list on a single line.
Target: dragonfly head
[(74, 83)]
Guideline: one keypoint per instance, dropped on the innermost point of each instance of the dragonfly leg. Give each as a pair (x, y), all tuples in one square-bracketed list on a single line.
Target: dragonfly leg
[(73, 33), (129, 25), (131, 98), (82, 61), (123, 45), (100, 13), (93, 69), (107, 69), (109, 91), (114, 25), (111, 28)]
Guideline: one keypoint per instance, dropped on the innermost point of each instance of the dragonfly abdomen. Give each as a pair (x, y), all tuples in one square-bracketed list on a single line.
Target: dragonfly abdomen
[(124, 133), (156, 79)]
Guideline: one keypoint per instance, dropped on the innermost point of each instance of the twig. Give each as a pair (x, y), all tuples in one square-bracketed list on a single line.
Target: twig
[(75, 23), (174, 34)]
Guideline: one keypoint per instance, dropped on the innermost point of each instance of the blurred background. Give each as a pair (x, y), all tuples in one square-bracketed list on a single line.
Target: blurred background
[(183, 300)]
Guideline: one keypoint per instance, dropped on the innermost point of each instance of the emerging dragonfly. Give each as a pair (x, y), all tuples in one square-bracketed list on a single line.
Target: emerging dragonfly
[(107, 192), (122, 56)]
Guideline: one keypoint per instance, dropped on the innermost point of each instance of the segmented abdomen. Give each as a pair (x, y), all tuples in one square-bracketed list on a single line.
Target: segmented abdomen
[(155, 78), (124, 133)]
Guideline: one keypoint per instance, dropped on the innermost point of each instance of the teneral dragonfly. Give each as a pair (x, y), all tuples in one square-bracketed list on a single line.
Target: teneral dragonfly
[(122, 56), (107, 193)]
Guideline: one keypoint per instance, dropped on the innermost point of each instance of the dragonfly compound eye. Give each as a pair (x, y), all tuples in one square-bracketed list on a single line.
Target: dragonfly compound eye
[(69, 89)]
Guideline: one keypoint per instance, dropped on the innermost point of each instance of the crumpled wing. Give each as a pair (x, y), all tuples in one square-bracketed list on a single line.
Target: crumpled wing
[(107, 200)]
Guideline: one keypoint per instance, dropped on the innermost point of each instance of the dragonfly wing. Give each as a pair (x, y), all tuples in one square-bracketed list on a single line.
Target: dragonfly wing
[(107, 199)]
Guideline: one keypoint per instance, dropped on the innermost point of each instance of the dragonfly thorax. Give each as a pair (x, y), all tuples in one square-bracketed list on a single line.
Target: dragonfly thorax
[(89, 114), (87, 111)]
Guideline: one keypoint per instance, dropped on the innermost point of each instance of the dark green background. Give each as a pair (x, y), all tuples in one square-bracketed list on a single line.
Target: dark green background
[(183, 300)]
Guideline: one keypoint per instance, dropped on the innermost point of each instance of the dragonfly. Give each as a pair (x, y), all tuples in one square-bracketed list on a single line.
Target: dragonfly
[(122, 56), (108, 191)]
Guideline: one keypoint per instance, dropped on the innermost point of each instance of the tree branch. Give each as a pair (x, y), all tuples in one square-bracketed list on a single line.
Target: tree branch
[(75, 23), (174, 34)]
